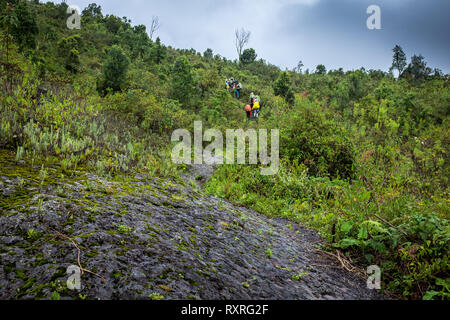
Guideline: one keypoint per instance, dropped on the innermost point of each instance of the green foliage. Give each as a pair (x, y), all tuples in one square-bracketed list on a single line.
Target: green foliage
[(25, 29), (282, 87), (417, 69), (156, 296), (383, 134), (92, 11), (320, 69), (158, 52), (299, 277), (248, 56), (113, 23), (56, 130), (68, 49), (313, 138), (115, 70), (183, 85), (55, 296), (357, 84), (208, 54), (8, 18), (398, 60)]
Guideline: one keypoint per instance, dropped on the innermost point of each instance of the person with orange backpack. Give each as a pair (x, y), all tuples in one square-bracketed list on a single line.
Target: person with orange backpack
[(248, 109)]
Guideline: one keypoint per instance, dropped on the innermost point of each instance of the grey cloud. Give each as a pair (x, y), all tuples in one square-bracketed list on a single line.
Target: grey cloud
[(330, 32)]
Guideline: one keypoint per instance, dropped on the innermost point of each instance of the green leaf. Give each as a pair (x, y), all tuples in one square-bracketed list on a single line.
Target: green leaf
[(363, 234), (444, 283), (379, 246), (429, 295), (55, 296), (346, 227), (348, 242)]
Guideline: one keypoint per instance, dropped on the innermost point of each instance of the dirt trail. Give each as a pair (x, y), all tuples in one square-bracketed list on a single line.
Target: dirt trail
[(154, 239)]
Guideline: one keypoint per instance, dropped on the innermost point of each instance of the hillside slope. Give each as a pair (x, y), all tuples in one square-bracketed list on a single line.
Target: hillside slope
[(364, 155)]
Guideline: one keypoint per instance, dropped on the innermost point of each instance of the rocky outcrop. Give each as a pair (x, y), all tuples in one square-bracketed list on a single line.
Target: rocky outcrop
[(151, 238)]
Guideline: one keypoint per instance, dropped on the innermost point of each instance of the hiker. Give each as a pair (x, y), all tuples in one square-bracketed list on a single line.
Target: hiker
[(252, 99), (256, 107), (257, 98), (231, 82), (237, 90), (235, 87), (248, 110)]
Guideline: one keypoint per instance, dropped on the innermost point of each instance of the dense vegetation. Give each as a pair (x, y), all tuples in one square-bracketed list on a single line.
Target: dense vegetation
[(364, 155)]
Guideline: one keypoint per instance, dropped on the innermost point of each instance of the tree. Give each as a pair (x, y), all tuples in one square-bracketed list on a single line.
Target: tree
[(92, 11), (140, 43), (183, 85), (26, 28), (356, 84), (282, 84), (113, 23), (241, 40), (208, 79), (68, 49), (126, 23), (398, 60), (282, 87), (290, 97), (208, 54), (417, 69), (115, 69), (320, 69), (248, 56), (8, 21), (300, 65), (158, 52), (154, 26), (437, 73)]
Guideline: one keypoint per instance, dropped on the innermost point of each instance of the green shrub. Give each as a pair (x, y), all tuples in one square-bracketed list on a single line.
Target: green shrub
[(115, 70), (312, 137), (183, 81)]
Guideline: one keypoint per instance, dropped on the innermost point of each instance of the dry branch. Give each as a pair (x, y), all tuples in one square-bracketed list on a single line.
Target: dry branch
[(83, 270)]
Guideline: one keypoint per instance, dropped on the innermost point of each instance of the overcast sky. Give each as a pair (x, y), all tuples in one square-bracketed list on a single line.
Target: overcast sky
[(329, 32)]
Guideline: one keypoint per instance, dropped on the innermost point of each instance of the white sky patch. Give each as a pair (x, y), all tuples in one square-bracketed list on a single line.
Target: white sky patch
[(75, 7)]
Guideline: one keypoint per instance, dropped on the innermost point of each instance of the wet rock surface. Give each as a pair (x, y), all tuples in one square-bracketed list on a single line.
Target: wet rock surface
[(151, 238)]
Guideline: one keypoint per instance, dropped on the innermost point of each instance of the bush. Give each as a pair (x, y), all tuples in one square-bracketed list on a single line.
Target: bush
[(68, 50), (282, 85), (183, 85), (115, 70), (314, 139)]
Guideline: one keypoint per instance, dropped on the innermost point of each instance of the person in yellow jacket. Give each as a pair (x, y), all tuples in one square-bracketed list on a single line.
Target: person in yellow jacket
[(256, 107)]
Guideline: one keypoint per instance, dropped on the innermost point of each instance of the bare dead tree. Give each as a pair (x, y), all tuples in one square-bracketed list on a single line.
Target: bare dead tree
[(242, 38), (154, 26)]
